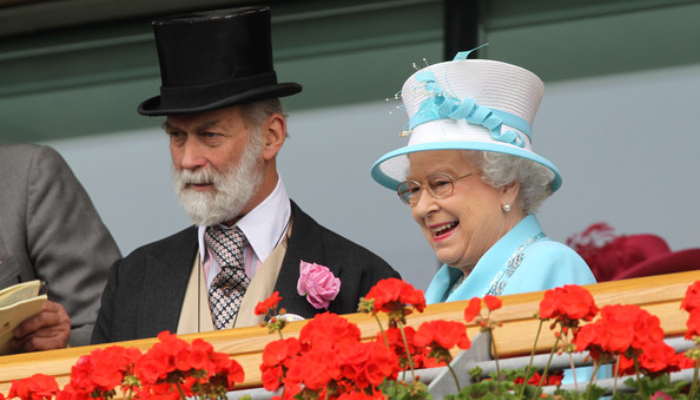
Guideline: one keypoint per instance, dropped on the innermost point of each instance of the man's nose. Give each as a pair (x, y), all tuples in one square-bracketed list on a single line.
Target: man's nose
[(192, 157)]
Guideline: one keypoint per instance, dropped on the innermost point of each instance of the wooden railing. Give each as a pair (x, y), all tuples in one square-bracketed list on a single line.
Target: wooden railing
[(660, 295)]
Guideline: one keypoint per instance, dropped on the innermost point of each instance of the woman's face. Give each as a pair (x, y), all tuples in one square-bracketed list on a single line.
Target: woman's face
[(461, 227)]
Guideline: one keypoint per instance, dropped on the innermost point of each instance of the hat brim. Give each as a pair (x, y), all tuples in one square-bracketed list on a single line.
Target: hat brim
[(152, 106), (397, 160), (679, 261)]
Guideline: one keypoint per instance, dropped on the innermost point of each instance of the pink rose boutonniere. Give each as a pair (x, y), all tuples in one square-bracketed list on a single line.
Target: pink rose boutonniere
[(318, 284)]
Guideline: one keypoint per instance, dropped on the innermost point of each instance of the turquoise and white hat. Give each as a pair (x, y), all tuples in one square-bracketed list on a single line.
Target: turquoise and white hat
[(467, 105)]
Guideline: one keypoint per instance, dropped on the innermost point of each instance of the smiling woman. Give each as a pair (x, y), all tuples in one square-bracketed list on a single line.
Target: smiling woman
[(463, 223), (473, 182)]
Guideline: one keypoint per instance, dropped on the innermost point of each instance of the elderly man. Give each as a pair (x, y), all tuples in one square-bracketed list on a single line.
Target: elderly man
[(226, 126)]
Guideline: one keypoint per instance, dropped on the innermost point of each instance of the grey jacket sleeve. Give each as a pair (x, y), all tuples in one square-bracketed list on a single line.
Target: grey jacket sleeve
[(67, 243)]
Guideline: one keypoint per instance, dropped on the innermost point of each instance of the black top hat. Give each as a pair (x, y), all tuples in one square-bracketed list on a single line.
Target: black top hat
[(214, 59)]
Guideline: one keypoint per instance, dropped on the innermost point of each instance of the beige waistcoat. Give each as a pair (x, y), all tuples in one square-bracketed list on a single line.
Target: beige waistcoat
[(196, 315)]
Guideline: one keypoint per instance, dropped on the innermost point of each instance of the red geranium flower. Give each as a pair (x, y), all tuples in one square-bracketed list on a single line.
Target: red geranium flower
[(69, 393), (355, 395), (615, 336), (630, 326), (269, 305), (685, 362), (196, 368), (654, 359), (492, 302), (692, 297), (397, 345), (329, 357), (620, 330), (647, 329), (233, 371), (36, 387), (381, 364), (280, 352), (442, 334), (473, 309), (276, 358), (326, 330), (162, 359), (365, 365), (659, 357), (568, 303), (311, 370), (393, 296), (103, 369), (587, 336), (554, 378), (272, 377), (693, 324)]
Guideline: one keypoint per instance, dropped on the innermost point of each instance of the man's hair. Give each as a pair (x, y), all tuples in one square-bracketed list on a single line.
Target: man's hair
[(256, 113)]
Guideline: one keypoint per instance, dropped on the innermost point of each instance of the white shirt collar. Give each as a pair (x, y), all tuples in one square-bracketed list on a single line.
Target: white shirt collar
[(265, 225)]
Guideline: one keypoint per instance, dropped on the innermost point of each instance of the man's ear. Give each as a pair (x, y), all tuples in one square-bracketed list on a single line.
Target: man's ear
[(274, 131)]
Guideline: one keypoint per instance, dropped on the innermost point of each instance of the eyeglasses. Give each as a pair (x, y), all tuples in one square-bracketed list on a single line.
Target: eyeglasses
[(439, 186)]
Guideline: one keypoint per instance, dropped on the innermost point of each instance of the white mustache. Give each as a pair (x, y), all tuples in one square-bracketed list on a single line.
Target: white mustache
[(207, 176)]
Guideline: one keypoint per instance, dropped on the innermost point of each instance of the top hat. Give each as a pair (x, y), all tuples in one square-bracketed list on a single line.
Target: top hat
[(214, 59), (467, 105)]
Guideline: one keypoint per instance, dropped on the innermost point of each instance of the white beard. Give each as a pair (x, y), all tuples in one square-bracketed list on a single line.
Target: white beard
[(232, 189)]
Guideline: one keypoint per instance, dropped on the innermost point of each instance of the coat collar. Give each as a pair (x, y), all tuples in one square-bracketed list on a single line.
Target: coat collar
[(486, 268), (306, 243)]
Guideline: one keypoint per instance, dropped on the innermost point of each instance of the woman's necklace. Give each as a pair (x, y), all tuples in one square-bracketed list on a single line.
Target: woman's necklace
[(496, 287)]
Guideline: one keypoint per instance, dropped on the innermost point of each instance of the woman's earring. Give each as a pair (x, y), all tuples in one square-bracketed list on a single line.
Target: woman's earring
[(505, 207)]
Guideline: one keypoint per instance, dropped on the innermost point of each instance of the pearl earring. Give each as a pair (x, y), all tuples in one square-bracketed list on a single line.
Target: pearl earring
[(505, 207)]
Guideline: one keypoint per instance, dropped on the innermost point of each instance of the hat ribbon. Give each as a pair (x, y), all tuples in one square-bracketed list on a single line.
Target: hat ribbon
[(440, 105)]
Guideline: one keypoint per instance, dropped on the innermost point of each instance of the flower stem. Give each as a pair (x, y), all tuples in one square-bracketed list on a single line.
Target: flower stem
[(179, 389), (408, 351), (617, 373), (494, 350), (694, 385), (532, 357), (273, 314), (454, 375), (546, 368), (573, 371), (381, 329), (495, 355), (596, 365), (636, 370)]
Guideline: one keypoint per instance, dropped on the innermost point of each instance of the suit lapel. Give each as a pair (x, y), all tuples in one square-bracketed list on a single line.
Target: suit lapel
[(305, 244), (168, 269)]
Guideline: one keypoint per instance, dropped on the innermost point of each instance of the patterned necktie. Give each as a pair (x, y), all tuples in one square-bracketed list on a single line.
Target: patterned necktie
[(229, 285)]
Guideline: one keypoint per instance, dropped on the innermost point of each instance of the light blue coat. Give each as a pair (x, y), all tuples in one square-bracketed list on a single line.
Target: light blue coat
[(523, 260)]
